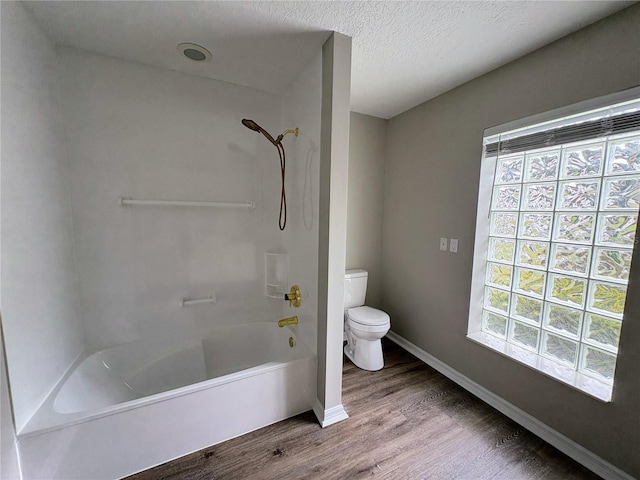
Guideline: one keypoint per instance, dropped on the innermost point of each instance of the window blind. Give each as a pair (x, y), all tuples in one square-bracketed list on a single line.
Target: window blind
[(600, 127)]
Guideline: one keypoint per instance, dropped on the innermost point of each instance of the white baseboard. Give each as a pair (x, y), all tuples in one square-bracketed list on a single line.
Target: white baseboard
[(580, 454), (329, 416)]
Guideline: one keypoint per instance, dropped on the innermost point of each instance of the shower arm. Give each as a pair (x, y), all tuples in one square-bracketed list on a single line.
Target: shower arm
[(295, 131)]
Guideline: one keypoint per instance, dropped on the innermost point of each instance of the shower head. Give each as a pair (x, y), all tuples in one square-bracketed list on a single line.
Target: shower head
[(250, 124), (257, 128)]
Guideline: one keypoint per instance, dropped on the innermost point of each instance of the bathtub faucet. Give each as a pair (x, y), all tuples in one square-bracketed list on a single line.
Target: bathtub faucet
[(294, 297), (288, 321)]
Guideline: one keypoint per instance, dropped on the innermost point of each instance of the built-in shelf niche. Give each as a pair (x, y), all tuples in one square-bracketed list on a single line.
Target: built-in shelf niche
[(276, 273)]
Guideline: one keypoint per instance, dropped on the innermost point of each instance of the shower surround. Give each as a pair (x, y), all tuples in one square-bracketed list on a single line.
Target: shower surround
[(149, 133), (81, 273)]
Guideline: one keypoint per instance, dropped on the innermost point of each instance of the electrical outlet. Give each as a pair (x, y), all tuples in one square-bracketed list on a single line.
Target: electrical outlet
[(443, 244), (453, 246)]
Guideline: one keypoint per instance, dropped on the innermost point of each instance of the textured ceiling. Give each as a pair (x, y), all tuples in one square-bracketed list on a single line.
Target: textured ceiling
[(404, 53)]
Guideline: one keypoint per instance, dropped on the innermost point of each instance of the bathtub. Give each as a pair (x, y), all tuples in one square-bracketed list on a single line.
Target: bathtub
[(130, 407)]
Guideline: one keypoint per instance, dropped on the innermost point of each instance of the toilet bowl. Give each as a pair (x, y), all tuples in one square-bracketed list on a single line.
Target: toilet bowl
[(363, 326)]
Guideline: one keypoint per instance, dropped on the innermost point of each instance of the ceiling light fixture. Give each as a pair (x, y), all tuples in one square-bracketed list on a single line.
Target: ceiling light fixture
[(194, 52)]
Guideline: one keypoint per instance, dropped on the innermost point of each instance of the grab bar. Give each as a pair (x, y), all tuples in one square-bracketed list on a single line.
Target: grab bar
[(186, 301), (122, 201)]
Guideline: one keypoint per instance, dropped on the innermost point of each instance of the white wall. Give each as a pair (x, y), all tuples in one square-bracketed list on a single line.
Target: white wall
[(9, 463), (431, 188), (367, 149), (151, 133), (301, 108), (40, 308)]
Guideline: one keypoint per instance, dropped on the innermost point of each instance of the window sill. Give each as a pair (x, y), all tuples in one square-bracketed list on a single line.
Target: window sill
[(588, 385)]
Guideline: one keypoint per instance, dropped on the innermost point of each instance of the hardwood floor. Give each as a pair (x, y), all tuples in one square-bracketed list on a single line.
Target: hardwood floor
[(406, 422)]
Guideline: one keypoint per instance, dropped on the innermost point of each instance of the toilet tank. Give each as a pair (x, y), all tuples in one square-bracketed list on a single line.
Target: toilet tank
[(355, 288)]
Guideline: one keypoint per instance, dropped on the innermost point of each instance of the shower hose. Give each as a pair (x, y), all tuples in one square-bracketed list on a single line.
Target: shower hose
[(282, 218)]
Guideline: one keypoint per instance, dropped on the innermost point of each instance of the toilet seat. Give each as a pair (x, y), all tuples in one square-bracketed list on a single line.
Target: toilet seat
[(368, 316), (368, 319)]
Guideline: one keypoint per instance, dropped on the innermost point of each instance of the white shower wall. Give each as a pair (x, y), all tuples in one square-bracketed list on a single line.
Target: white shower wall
[(39, 288), (151, 133), (302, 105)]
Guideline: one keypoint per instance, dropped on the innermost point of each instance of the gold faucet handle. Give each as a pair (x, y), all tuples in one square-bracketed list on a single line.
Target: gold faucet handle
[(294, 296)]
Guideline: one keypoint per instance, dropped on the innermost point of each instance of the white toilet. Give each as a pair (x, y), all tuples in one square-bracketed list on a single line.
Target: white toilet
[(363, 326)]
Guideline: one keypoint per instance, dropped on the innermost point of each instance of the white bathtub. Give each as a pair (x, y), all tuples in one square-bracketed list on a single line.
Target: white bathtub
[(130, 407)]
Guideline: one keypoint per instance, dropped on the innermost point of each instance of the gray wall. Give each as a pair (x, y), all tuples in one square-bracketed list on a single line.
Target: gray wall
[(431, 187), (367, 146)]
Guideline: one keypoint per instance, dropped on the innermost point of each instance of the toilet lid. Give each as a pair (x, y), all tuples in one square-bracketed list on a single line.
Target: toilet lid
[(368, 316)]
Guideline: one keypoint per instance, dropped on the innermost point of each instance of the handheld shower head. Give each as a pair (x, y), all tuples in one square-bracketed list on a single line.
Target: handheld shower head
[(250, 124)]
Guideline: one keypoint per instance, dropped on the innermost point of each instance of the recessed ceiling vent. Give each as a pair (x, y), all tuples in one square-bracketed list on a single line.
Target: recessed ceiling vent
[(194, 52)]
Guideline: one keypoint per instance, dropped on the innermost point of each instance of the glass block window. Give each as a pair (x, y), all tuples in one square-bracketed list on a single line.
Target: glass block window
[(556, 243)]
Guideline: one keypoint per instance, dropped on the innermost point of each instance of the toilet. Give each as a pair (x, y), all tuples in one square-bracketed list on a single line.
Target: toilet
[(363, 326)]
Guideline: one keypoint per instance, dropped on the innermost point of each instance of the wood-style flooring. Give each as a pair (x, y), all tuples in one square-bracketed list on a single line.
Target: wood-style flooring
[(406, 422)]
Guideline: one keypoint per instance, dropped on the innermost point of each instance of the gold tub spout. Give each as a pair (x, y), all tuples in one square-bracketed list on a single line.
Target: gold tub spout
[(288, 321)]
